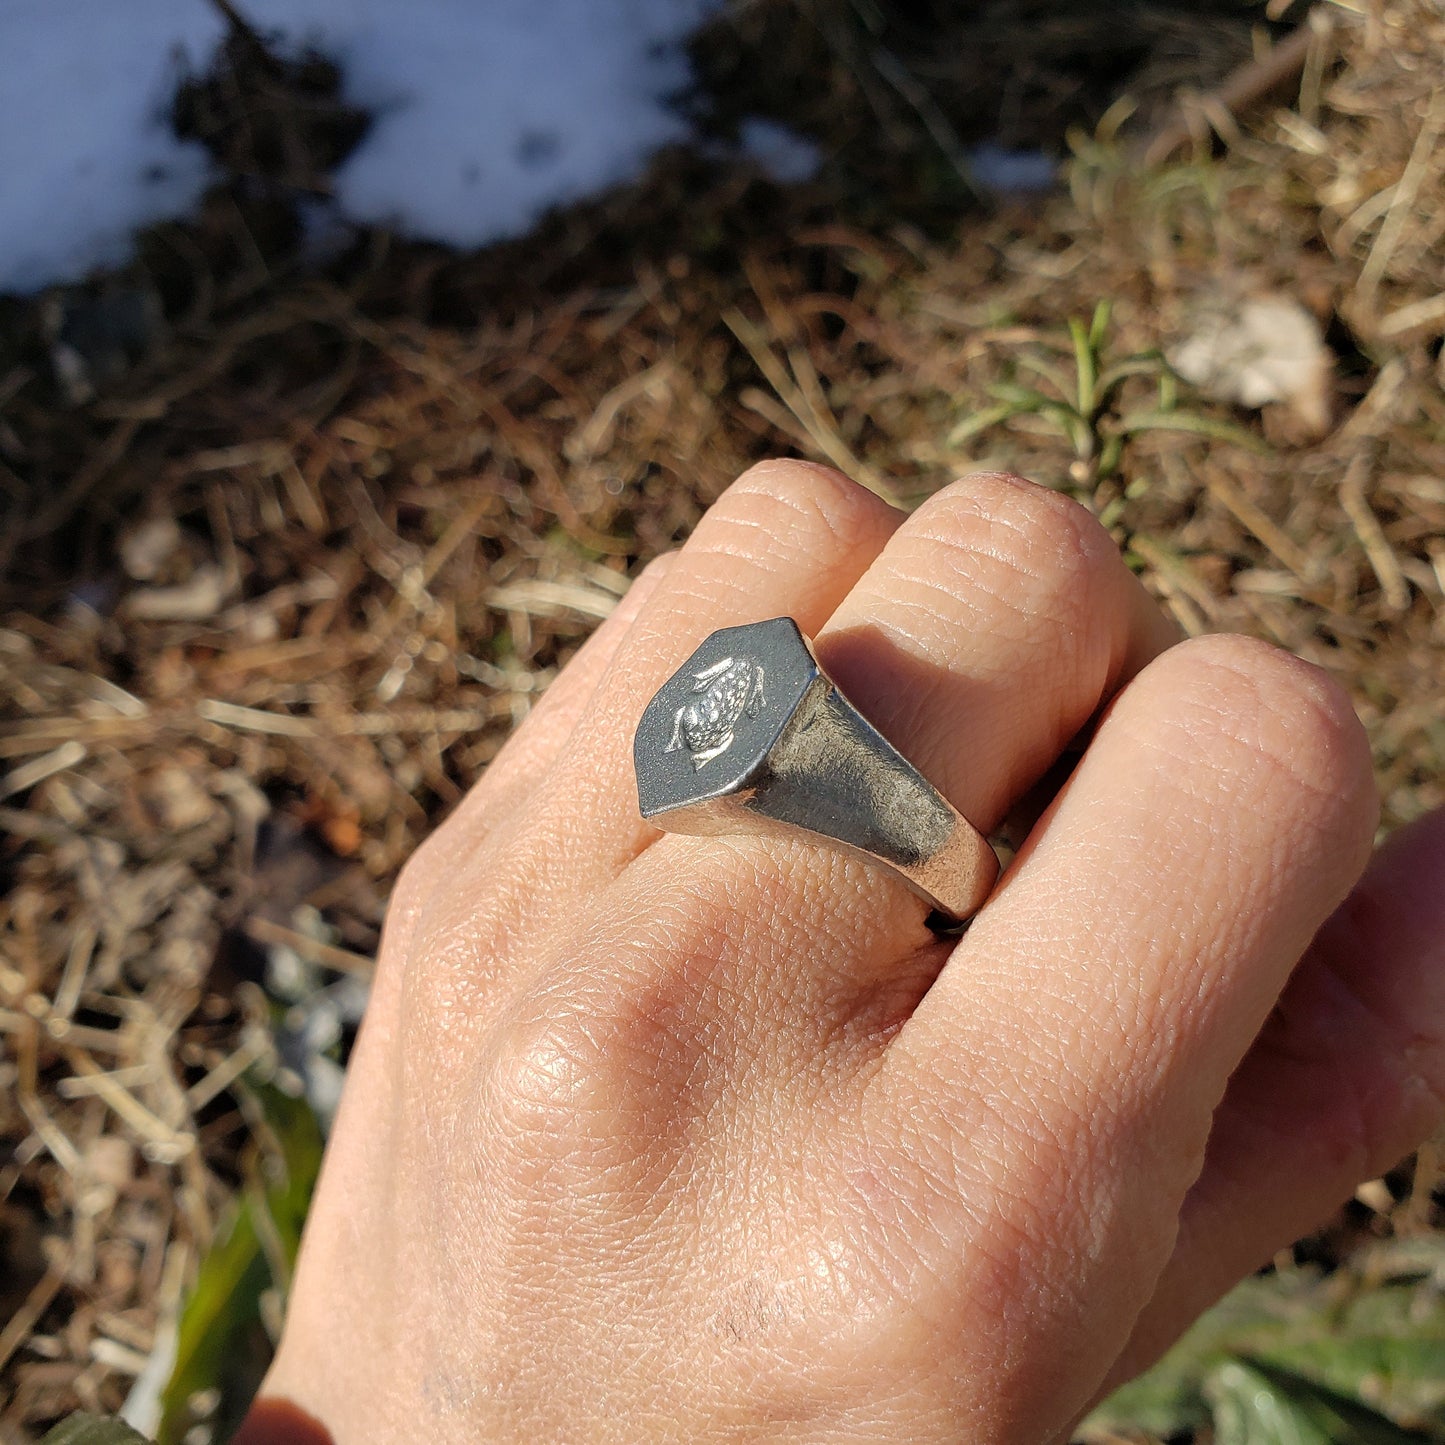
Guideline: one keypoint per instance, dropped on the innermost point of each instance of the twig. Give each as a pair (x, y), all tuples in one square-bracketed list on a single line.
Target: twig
[(1386, 565), (817, 426), (1402, 204), (255, 720), (155, 1131), (77, 963), (245, 32), (928, 110), (51, 1134), (1180, 583), (343, 960), (547, 599), (27, 775), (232, 1066), (1255, 521), (19, 1325)]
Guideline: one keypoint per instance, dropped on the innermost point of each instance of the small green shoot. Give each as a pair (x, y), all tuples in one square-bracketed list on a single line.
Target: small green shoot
[(1078, 392)]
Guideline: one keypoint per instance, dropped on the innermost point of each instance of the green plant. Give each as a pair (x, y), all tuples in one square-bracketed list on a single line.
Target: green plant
[(1353, 1358), (1083, 402), (226, 1332)]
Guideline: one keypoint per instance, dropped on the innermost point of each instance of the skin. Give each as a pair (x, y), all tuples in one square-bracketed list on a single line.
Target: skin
[(656, 1137)]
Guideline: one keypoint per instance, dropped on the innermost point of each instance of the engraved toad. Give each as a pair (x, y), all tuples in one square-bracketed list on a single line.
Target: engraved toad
[(727, 690)]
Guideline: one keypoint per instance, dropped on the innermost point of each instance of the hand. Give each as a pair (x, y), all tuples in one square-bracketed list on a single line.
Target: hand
[(656, 1137)]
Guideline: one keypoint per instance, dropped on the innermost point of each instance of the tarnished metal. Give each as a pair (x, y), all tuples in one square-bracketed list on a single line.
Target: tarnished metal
[(751, 736)]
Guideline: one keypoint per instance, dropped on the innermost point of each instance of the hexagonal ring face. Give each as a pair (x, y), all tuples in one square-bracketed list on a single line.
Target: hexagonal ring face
[(710, 726)]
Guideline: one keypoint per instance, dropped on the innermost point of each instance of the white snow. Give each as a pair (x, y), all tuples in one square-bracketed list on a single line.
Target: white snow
[(488, 112), (783, 155), (85, 154), (1012, 172)]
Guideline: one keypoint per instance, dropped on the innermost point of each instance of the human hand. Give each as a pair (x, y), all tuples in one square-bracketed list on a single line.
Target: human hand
[(660, 1137)]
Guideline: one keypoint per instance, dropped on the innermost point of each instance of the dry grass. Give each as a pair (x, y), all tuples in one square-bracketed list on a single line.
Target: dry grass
[(275, 599)]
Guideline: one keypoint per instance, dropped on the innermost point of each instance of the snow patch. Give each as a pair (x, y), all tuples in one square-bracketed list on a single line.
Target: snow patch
[(86, 151), (487, 113), (782, 154), (1012, 172)]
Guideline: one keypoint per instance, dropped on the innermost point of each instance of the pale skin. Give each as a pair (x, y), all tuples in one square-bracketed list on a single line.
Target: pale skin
[(652, 1137)]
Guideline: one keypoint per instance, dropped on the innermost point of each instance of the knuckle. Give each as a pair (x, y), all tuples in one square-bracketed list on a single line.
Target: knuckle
[(418, 879), (805, 499), (429, 879), (1286, 716), (542, 1079), (657, 569), (1051, 550), (1300, 711), (570, 1090)]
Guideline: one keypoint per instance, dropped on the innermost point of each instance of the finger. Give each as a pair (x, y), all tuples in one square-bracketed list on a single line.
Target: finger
[(982, 637), (1079, 1039), (980, 640), (987, 633), (1347, 1077)]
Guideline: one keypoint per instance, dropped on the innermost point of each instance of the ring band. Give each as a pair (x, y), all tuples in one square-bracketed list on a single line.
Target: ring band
[(751, 736)]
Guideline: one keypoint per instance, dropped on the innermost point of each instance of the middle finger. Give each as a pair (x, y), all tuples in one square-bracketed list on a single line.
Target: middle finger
[(987, 633)]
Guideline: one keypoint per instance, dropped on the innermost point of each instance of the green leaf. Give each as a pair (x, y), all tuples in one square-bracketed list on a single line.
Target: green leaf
[(1111, 451), (1192, 422), (1384, 1345), (1099, 325), (1248, 1410), (1081, 436), (1056, 376), (223, 1345), (1255, 1404), (980, 421), (1022, 398), (82, 1429), (1086, 364), (1169, 1399), (1358, 1355), (1147, 363)]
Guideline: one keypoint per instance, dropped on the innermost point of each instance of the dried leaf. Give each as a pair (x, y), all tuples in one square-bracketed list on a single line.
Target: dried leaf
[(1258, 351)]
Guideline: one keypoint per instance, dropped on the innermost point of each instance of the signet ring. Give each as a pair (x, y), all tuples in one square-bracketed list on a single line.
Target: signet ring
[(751, 736)]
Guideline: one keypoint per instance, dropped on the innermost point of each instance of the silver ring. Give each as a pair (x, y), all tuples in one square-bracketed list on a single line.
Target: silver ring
[(751, 736)]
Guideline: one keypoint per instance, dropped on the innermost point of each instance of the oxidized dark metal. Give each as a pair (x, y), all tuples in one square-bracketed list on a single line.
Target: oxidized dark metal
[(751, 736)]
